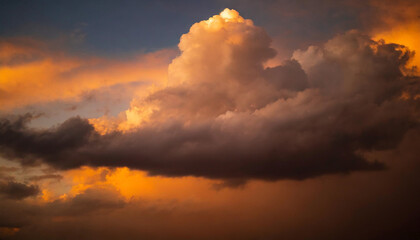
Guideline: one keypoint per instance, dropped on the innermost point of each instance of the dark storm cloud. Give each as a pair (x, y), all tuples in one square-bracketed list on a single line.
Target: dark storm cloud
[(289, 122), (378, 205), (17, 191), (29, 144), (12, 189)]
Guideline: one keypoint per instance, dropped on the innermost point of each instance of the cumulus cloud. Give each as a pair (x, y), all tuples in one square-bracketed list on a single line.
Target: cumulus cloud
[(224, 115)]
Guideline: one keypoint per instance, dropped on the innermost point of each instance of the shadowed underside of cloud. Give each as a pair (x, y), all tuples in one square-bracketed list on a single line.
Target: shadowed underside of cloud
[(224, 115), (17, 191)]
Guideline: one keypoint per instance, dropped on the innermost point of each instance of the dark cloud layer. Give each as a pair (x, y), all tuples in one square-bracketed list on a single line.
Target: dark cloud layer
[(311, 116), (17, 191), (375, 205), (12, 189)]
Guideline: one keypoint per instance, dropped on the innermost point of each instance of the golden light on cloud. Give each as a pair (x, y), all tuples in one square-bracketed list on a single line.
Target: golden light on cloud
[(407, 35), (228, 15), (131, 184), (231, 15), (401, 25), (57, 76), (206, 45), (217, 142)]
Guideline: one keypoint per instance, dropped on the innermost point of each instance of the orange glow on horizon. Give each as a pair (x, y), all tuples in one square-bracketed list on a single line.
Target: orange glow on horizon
[(136, 184), (129, 183)]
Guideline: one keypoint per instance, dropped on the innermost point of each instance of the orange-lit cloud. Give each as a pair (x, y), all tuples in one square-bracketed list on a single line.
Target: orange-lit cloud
[(198, 154), (407, 35), (30, 73), (131, 184), (399, 23), (323, 206), (224, 115)]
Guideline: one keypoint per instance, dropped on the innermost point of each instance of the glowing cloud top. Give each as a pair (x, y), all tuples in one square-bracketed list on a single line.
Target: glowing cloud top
[(224, 115)]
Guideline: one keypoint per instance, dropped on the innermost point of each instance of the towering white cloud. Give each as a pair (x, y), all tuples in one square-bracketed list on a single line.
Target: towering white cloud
[(223, 115)]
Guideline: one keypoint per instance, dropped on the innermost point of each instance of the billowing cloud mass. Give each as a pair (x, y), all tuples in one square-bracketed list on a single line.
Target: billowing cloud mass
[(224, 115), (103, 140)]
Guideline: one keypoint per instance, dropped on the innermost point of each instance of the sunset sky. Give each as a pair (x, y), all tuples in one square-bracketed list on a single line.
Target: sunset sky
[(224, 119)]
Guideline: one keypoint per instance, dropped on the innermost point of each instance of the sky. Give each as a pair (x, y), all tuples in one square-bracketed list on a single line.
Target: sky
[(225, 119)]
